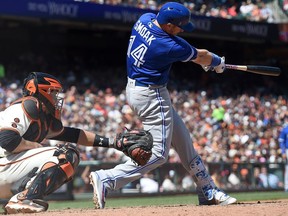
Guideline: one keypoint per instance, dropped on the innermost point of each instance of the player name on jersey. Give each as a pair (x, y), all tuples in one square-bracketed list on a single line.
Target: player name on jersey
[(144, 32)]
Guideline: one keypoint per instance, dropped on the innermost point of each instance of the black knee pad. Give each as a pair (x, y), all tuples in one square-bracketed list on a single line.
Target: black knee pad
[(68, 153)]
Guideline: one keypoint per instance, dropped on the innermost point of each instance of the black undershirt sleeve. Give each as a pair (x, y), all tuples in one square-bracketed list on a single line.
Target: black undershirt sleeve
[(9, 140), (72, 135), (68, 135)]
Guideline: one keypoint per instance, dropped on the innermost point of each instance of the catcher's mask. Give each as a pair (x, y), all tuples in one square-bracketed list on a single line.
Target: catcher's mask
[(46, 88)]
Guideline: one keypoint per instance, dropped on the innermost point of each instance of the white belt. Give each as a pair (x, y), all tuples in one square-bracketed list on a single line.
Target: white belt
[(133, 83)]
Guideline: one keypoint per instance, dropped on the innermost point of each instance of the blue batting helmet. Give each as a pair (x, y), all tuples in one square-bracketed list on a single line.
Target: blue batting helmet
[(177, 14)]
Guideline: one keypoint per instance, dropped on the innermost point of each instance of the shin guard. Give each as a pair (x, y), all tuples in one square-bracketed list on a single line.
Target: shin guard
[(53, 174)]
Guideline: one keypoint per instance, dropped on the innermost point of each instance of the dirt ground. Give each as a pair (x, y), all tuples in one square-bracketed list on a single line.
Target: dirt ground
[(263, 208)]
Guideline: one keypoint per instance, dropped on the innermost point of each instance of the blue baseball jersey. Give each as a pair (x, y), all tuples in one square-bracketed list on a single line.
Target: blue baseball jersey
[(152, 51), (283, 139)]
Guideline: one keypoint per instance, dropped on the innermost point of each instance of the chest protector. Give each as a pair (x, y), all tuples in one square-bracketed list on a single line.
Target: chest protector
[(41, 123)]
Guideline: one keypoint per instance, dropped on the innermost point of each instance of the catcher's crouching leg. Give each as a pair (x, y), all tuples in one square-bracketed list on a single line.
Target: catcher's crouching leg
[(53, 174)]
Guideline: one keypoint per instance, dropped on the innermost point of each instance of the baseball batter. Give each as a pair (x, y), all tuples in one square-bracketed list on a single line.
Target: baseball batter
[(153, 47), (29, 171)]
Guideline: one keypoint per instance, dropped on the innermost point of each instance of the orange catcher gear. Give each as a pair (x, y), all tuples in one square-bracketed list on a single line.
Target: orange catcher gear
[(46, 88)]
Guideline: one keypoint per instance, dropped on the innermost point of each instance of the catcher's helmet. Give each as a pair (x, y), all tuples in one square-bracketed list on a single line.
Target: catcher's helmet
[(177, 14), (46, 88)]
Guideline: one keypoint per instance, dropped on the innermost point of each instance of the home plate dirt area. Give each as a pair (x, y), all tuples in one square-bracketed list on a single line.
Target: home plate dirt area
[(260, 208)]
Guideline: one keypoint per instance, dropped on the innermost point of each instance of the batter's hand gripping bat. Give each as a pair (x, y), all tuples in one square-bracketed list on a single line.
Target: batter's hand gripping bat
[(257, 69)]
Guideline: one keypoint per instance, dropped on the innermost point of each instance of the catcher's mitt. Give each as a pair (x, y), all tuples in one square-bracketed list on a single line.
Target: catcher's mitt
[(136, 144)]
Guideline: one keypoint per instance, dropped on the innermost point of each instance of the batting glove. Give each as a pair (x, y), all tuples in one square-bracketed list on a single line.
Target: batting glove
[(221, 67)]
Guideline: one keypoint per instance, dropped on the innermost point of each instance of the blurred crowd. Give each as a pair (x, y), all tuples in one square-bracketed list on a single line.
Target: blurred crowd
[(250, 10), (237, 129), (284, 5), (232, 119)]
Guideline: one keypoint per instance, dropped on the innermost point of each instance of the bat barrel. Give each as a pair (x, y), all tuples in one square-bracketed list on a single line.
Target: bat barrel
[(263, 68), (257, 69)]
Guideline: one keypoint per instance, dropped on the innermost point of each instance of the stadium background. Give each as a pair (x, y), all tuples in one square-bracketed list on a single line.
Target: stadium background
[(91, 54)]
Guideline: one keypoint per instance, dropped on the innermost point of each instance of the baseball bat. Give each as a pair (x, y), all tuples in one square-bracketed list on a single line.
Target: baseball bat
[(257, 69)]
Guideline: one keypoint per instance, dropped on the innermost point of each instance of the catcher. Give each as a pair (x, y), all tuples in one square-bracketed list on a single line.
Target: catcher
[(30, 171)]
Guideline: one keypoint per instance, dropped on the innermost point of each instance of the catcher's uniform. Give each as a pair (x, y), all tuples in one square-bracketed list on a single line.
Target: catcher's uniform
[(24, 118)]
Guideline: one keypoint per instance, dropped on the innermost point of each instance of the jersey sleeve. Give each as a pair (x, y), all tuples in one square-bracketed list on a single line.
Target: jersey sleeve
[(182, 51), (13, 124), (14, 118)]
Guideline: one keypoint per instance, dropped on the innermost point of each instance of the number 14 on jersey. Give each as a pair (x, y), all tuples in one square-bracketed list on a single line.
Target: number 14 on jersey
[(138, 53)]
